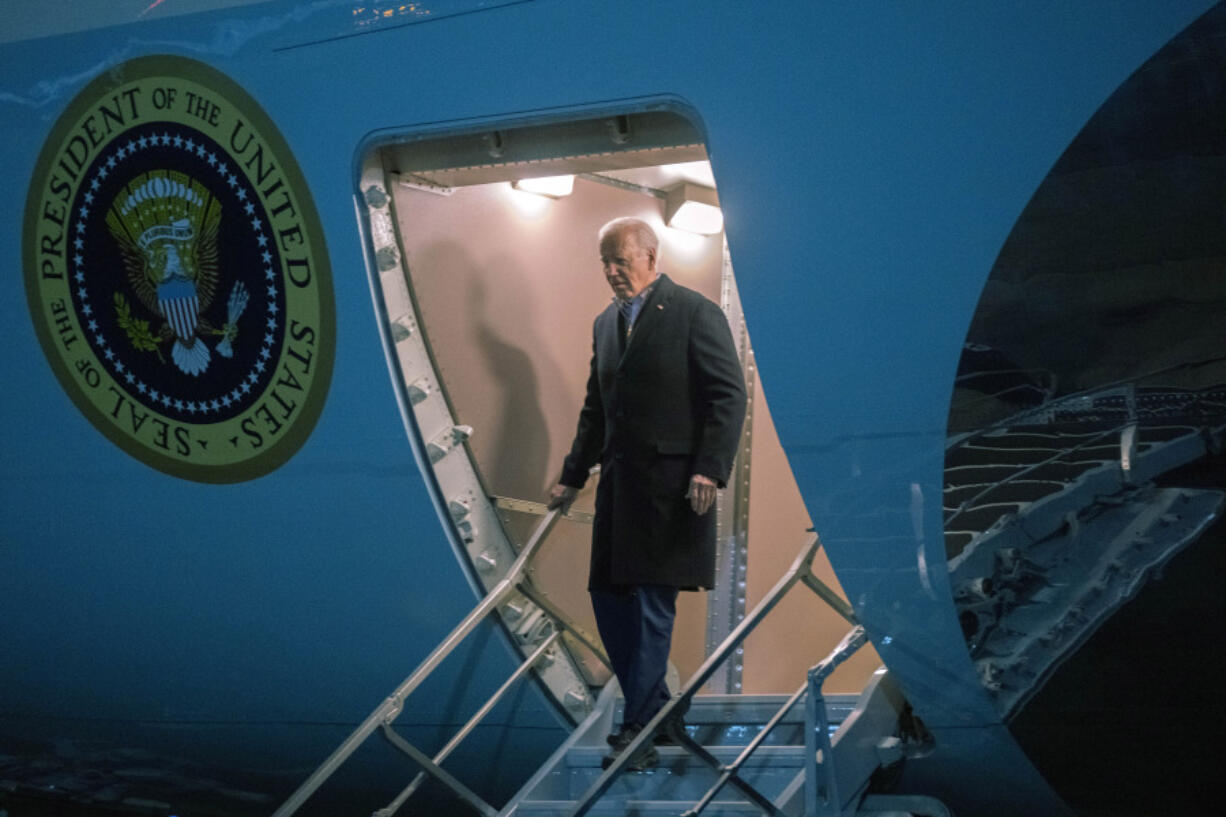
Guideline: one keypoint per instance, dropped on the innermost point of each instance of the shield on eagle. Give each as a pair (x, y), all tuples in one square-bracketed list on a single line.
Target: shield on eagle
[(179, 305)]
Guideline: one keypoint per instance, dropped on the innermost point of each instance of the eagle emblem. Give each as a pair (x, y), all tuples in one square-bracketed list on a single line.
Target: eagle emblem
[(166, 226)]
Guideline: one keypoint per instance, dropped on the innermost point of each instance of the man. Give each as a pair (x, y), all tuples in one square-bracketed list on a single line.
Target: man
[(663, 413)]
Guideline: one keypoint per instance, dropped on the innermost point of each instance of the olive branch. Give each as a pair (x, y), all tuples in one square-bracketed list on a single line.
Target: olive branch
[(137, 330)]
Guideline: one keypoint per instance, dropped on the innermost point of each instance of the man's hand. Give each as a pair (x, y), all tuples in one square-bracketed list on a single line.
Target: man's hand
[(561, 496), (701, 494)]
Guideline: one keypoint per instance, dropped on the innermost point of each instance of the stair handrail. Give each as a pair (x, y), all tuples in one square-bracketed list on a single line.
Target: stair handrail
[(800, 571), (391, 707)]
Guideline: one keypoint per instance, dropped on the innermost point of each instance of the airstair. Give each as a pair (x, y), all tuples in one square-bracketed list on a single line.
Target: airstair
[(804, 754)]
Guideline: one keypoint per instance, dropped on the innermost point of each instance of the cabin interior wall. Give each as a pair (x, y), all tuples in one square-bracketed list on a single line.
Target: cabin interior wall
[(507, 285)]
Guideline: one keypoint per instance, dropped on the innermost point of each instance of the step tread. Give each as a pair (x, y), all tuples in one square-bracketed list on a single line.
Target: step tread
[(765, 755), (700, 702), (528, 808)]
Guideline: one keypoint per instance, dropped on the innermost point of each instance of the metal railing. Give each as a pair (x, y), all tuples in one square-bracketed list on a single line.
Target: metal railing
[(382, 718), (820, 791), (801, 571)]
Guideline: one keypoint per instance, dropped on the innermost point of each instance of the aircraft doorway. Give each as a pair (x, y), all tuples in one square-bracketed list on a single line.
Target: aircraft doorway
[(500, 287)]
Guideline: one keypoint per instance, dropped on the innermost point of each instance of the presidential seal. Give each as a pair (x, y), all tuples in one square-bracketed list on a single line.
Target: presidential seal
[(177, 275)]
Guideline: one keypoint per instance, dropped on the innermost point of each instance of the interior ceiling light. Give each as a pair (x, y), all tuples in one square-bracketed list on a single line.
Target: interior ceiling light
[(693, 208), (553, 186)]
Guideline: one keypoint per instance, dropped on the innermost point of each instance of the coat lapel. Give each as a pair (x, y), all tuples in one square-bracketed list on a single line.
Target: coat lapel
[(609, 346)]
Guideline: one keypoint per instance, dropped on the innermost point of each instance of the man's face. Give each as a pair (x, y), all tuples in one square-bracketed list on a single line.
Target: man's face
[(627, 267)]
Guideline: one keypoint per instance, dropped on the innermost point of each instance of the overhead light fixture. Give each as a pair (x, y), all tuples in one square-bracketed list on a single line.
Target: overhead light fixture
[(553, 186), (693, 208)]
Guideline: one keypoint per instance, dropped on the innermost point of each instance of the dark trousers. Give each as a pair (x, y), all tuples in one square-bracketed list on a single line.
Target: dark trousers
[(636, 626)]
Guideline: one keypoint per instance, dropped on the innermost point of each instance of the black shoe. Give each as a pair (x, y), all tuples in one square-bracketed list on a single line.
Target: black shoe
[(670, 732), (621, 738), (666, 735), (663, 738), (645, 758)]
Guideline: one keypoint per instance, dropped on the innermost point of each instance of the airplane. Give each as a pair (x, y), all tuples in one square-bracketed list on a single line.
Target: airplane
[(295, 343)]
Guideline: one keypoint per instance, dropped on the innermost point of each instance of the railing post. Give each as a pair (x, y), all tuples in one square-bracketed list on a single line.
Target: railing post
[(812, 795), (824, 800)]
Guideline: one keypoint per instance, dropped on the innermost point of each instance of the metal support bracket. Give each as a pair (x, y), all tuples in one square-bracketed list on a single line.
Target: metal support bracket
[(822, 790)]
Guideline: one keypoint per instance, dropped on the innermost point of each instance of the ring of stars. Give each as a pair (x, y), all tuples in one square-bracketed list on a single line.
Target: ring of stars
[(220, 402)]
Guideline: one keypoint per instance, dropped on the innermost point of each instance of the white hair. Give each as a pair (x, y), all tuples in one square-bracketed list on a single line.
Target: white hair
[(644, 236)]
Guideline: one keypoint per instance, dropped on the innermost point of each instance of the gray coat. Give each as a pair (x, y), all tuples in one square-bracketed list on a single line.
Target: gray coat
[(660, 407)]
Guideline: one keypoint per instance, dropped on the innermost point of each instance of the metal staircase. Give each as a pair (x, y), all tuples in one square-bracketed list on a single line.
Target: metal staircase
[(721, 723), (761, 739), (798, 755)]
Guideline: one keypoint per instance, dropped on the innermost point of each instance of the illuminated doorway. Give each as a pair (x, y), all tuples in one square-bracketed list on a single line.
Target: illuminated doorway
[(499, 287)]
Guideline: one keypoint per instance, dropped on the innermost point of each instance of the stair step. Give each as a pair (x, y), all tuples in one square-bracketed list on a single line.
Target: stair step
[(636, 808), (735, 720), (749, 708), (674, 756), (680, 775)]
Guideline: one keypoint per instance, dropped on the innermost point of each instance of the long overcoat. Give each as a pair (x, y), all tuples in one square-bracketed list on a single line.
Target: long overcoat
[(662, 404)]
